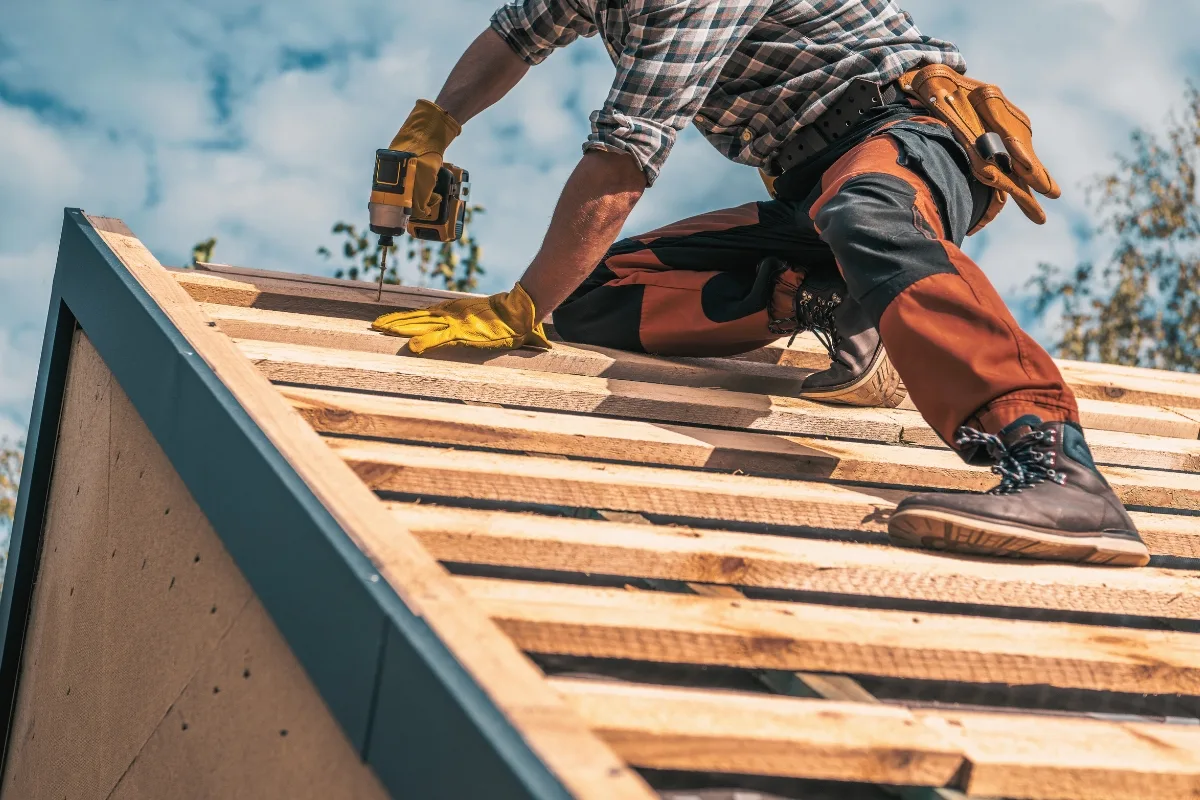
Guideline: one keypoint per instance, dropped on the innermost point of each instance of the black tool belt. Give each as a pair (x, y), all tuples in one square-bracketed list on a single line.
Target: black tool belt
[(851, 107)]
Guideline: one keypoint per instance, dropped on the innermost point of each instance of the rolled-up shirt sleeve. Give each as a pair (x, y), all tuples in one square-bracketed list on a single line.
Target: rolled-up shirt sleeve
[(535, 28), (672, 56)]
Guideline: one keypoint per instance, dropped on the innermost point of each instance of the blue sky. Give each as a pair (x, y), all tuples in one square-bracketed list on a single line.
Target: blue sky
[(256, 123)]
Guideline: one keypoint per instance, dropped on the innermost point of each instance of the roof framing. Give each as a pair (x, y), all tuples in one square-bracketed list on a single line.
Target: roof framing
[(420, 680)]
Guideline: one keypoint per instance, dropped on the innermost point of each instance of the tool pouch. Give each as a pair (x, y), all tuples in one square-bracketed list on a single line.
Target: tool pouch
[(997, 136)]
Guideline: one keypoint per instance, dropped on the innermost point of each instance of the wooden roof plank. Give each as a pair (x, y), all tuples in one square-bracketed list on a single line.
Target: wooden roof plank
[(429, 377), (686, 730), (474, 475), (790, 563), (312, 295), (499, 477), (432, 378), (557, 619), (1098, 415), (284, 327), (1003, 754), (1015, 755), (671, 445), (385, 416), (500, 674)]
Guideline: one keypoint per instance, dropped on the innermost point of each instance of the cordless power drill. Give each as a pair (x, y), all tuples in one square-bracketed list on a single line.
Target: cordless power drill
[(391, 205)]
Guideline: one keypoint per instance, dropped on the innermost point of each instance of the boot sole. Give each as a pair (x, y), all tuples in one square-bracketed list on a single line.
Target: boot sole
[(879, 387), (941, 530)]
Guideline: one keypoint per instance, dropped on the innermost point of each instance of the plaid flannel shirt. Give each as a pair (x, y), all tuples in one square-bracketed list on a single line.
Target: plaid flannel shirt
[(748, 73)]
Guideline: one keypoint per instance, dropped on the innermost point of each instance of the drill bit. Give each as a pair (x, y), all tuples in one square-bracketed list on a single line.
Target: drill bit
[(385, 243)]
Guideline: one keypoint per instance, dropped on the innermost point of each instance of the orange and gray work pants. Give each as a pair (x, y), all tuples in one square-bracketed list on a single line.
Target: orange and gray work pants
[(890, 215)]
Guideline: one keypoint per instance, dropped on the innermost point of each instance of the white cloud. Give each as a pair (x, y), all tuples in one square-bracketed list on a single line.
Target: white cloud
[(256, 123)]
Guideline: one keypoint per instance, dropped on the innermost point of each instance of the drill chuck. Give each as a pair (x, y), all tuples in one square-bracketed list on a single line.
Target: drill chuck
[(388, 220)]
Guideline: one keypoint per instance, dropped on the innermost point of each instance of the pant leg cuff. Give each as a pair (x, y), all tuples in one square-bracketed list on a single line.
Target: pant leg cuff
[(997, 414)]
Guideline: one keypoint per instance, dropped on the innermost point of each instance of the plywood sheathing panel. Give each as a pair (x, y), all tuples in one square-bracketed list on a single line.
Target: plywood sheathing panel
[(249, 725), (134, 593)]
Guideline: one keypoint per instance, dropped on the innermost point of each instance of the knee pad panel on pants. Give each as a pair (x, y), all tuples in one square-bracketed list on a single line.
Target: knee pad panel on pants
[(608, 316), (882, 241)]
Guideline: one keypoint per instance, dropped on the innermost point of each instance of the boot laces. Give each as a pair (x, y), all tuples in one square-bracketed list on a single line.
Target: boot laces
[(1025, 463), (814, 313)]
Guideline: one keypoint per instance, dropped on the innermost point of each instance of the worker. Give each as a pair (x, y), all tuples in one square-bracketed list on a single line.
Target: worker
[(880, 156)]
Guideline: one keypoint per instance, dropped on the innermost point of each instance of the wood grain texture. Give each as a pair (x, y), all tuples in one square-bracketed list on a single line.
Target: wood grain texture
[(585, 765), (1005, 755), (423, 377), (676, 729), (673, 445), (758, 634), (315, 295), (356, 335), (473, 475), (1132, 385), (429, 377), (1095, 415), (1012, 755), (734, 374), (782, 562)]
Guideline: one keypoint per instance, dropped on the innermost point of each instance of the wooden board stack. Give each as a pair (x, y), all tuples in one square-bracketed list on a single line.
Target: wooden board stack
[(696, 561)]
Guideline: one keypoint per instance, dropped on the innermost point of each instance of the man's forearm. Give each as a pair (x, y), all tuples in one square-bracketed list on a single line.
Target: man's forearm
[(484, 74), (598, 198)]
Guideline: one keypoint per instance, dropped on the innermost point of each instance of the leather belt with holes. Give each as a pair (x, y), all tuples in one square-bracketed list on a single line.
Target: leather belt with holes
[(861, 96)]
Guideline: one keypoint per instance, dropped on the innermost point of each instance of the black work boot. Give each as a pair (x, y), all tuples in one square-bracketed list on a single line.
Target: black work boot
[(860, 372), (1051, 503)]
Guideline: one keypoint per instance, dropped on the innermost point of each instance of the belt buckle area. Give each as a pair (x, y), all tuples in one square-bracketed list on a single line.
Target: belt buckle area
[(860, 96)]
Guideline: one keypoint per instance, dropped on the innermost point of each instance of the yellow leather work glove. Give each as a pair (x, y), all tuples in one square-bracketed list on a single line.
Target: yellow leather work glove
[(971, 108), (503, 321), (427, 132)]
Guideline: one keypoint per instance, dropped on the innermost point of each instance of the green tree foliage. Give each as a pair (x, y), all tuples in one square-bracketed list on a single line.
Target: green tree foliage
[(361, 249), (457, 265), (12, 458), (203, 251), (1141, 307)]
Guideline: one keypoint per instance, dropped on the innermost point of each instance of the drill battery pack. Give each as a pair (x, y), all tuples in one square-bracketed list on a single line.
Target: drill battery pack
[(391, 199), (453, 184)]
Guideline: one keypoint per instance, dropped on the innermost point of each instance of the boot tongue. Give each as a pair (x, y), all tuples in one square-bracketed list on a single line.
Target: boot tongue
[(1020, 427)]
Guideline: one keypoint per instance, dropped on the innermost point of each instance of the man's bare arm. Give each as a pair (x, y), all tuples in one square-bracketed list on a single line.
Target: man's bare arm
[(598, 198), (484, 74)]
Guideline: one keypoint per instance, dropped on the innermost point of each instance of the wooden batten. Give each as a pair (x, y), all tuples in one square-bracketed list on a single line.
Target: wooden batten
[(326, 304), (687, 446), (758, 634), (1003, 755), (529, 541)]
